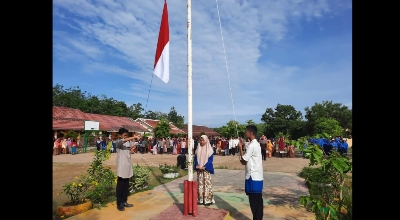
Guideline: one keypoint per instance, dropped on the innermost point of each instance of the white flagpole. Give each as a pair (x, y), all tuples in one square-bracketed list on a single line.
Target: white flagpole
[(189, 69)]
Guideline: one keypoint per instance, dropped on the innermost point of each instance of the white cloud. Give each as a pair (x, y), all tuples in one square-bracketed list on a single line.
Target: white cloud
[(128, 30)]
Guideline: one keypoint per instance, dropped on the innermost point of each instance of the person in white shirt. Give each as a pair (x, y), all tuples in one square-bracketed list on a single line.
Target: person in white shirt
[(235, 144), (254, 172), (183, 147), (231, 149)]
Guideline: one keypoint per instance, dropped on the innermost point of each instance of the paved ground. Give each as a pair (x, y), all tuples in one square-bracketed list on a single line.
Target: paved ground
[(281, 195), (282, 188)]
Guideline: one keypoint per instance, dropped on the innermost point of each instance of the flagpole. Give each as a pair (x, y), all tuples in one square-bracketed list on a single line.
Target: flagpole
[(189, 70)]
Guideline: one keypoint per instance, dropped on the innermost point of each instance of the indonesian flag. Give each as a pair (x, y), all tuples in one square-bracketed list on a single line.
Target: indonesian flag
[(161, 62)]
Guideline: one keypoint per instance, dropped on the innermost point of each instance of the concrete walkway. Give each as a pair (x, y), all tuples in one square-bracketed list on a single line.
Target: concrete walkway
[(281, 199)]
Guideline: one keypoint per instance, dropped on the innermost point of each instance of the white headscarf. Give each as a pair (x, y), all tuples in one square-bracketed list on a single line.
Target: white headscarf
[(204, 152)]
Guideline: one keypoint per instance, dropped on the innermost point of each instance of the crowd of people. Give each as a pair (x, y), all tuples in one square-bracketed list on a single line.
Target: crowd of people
[(252, 152), (64, 146), (221, 146), (338, 143)]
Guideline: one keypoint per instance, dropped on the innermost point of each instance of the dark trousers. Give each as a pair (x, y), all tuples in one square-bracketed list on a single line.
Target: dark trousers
[(122, 190), (264, 154), (256, 205)]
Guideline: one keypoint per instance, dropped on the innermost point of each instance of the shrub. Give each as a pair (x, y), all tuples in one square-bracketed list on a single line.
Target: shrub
[(169, 168), (329, 197), (101, 178), (140, 178), (76, 190)]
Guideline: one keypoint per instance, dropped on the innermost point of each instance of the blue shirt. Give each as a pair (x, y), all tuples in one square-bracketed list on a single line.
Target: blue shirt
[(208, 166)]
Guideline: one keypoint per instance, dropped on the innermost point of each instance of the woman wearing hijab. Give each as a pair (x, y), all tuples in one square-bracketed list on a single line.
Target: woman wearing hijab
[(269, 147), (68, 145), (174, 147), (282, 146), (203, 162), (64, 146)]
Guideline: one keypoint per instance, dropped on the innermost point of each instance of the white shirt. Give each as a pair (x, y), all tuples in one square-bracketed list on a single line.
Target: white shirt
[(230, 143), (254, 166), (235, 142), (183, 144)]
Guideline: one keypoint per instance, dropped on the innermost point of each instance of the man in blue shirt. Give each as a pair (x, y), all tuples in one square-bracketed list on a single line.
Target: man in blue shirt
[(344, 147)]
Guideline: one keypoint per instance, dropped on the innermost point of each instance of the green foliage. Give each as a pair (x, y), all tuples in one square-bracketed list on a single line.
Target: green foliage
[(329, 126), (202, 133), (155, 115), (221, 167), (169, 168), (74, 97), (162, 129), (72, 134), (102, 178), (175, 118), (232, 129), (328, 198), (284, 118), (96, 184), (327, 109), (140, 178), (76, 190)]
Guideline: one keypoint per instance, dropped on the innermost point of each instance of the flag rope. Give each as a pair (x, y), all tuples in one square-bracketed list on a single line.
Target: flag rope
[(148, 95), (227, 69)]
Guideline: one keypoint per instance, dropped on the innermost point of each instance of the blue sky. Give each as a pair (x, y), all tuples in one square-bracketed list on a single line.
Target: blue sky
[(291, 52)]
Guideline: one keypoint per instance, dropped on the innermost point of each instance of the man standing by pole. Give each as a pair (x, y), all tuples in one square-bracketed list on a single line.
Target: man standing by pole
[(124, 168), (254, 172)]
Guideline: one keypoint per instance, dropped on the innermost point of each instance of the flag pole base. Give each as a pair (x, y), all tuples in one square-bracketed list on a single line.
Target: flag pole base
[(190, 198)]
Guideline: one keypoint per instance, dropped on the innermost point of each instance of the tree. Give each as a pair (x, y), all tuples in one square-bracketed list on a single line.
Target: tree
[(284, 119), (260, 127), (250, 122), (72, 134), (155, 115), (327, 109), (70, 98), (162, 129), (176, 119), (232, 129), (329, 126), (135, 111)]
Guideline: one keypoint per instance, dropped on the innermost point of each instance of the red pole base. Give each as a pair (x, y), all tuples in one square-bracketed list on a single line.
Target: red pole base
[(190, 198), (185, 197), (194, 204)]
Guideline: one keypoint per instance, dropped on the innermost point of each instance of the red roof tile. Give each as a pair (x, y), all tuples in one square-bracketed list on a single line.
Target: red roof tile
[(113, 123), (153, 123), (65, 124), (73, 119), (63, 113), (197, 129)]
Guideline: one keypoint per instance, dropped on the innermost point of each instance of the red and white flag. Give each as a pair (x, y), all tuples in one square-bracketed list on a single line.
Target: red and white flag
[(161, 62)]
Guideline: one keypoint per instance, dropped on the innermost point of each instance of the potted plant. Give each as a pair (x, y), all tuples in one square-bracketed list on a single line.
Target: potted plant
[(77, 201), (169, 171)]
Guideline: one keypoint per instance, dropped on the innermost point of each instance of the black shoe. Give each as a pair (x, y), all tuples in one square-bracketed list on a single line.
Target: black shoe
[(125, 204), (208, 204), (121, 207)]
